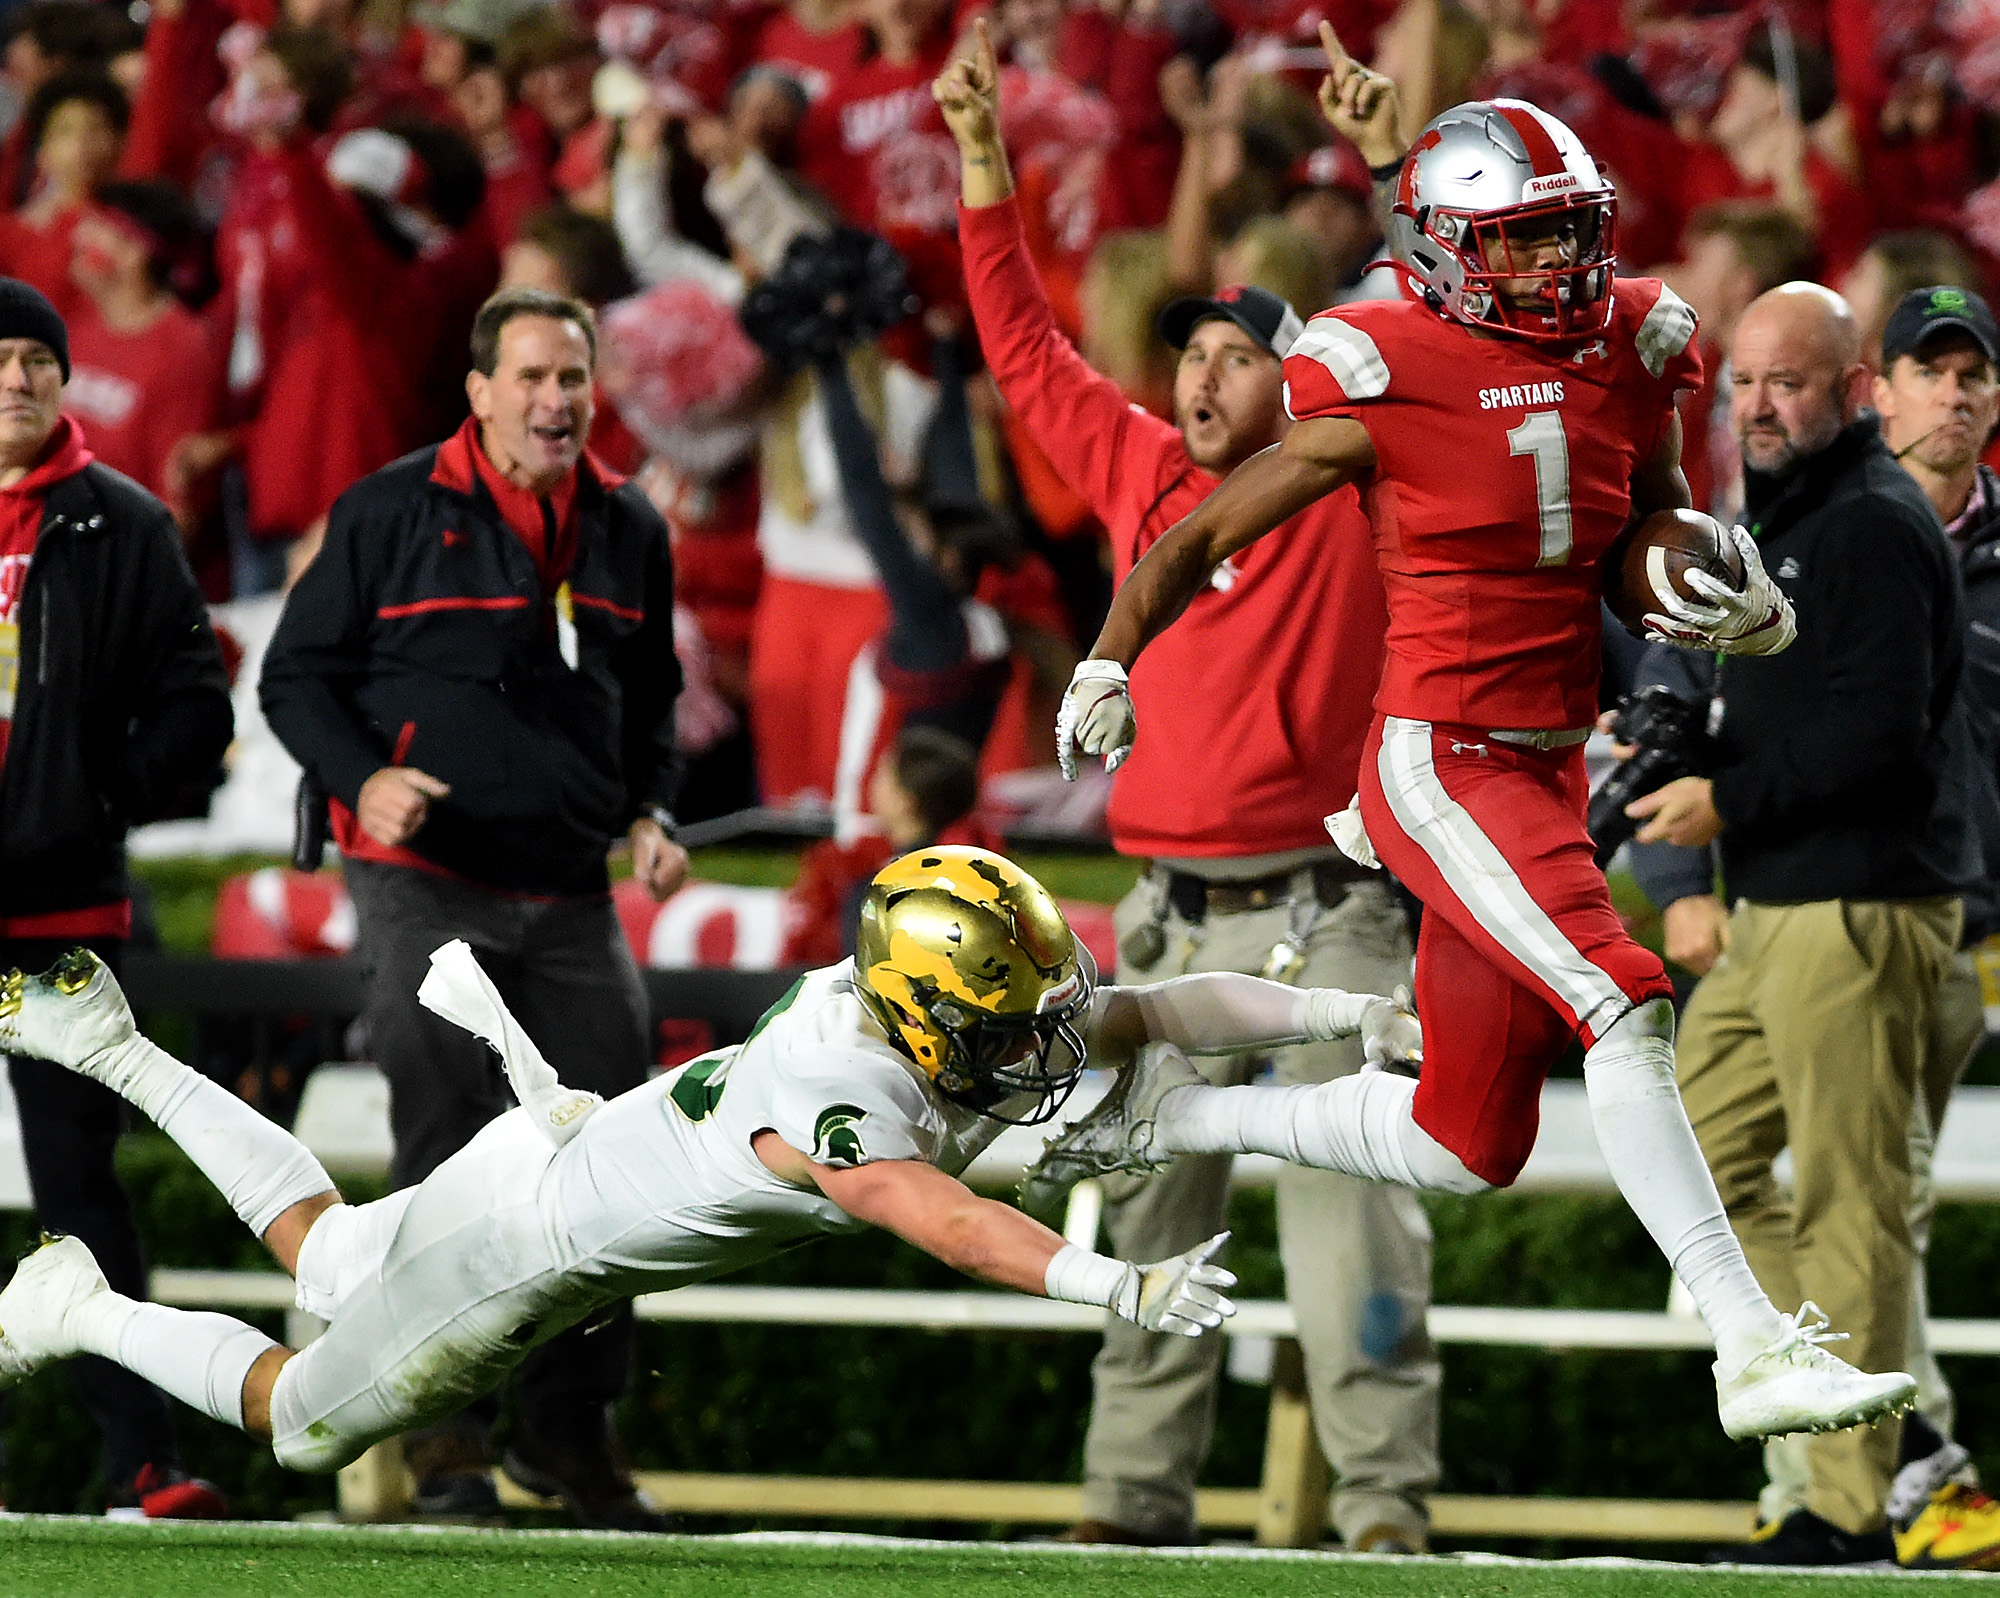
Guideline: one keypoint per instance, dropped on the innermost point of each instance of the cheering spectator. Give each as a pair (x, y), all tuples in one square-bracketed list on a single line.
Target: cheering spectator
[(303, 300), (1893, 266), (1333, 201), (944, 659), (462, 59), (922, 792), (75, 124), (46, 38), (548, 62), (1758, 147), (874, 144), (813, 42), (1731, 253), (1121, 51), (145, 373)]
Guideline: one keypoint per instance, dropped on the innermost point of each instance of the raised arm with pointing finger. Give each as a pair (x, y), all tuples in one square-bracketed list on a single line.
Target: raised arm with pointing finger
[(1314, 458)]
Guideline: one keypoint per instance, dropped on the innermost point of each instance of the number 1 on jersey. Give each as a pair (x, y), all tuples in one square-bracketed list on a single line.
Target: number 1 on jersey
[(1541, 435)]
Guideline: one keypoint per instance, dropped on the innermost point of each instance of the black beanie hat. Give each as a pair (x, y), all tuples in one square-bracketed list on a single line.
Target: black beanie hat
[(25, 312)]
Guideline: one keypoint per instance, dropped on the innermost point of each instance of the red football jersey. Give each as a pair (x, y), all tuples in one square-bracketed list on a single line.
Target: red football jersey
[(1505, 473)]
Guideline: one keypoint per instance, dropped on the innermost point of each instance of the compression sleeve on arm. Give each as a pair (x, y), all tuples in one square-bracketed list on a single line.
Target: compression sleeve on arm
[(1221, 1012)]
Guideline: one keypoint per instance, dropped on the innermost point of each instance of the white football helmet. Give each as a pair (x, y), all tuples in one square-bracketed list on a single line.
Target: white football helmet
[(1480, 180)]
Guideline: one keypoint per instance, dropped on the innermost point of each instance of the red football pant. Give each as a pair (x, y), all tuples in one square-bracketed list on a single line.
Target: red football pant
[(1520, 949), (803, 642)]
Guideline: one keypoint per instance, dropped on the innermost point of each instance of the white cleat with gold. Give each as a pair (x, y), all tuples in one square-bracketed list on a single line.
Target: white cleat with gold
[(1793, 1384), (35, 1306), (1118, 1134), (74, 1013)]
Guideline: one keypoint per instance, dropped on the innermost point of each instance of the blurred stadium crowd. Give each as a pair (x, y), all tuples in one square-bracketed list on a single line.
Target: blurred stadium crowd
[(269, 228)]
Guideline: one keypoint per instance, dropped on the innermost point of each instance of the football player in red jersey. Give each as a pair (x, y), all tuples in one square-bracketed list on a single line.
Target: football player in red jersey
[(1505, 423)]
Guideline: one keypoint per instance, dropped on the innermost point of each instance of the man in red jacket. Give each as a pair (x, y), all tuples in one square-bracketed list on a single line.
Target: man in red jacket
[(1263, 690)]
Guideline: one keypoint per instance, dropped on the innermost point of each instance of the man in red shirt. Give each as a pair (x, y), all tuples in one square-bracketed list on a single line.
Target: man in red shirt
[(1226, 803), (1505, 423)]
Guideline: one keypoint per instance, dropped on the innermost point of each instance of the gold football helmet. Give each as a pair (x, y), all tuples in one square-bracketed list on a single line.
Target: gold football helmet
[(969, 966)]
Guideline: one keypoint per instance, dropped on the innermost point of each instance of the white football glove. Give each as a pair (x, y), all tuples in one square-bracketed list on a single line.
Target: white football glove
[(1389, 1032), (1095, 716), (1755, 620), (1350, 837), (1388, 1027), (1181, 1295)]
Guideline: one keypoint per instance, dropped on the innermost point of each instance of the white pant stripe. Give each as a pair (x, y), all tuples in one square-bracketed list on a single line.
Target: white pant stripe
[(1476, 870)]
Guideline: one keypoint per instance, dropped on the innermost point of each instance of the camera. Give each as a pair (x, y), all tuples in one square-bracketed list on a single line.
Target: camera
[(1671, 736)]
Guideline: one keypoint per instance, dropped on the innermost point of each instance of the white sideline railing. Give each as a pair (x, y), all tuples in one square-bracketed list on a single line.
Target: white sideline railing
[(1504, 1326)]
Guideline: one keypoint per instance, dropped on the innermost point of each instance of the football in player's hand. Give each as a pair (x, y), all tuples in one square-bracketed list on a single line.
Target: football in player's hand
[(1654, 559)]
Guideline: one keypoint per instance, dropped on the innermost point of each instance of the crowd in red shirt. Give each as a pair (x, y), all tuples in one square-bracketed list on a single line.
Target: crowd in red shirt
[(269, 223)]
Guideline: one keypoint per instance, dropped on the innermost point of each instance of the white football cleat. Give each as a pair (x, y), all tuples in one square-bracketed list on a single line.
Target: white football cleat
[(1118, 1134), (74, 1013), (1793, 1384), (35, 1306)]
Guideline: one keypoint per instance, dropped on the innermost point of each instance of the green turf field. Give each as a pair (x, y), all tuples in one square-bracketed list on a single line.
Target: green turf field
[(53, 1558)]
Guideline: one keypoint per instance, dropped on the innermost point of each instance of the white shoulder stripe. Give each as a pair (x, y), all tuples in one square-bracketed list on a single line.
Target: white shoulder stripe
[(1665, 332), (1347, 352)]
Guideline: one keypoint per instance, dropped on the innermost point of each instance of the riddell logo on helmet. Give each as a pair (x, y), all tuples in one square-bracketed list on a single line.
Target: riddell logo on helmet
[(1561, 183)]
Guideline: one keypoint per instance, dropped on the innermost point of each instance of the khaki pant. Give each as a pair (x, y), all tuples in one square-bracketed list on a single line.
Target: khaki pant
[(1958, 1027), (1357, 1259), (1813, 1033)]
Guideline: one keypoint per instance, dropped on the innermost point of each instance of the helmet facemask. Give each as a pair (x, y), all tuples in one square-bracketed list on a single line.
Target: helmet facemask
[(989, 1059), (1498, 248), (968, 965), (1484, 190)]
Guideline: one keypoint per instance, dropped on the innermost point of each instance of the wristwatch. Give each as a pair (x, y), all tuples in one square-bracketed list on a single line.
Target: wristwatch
[(663, 818)]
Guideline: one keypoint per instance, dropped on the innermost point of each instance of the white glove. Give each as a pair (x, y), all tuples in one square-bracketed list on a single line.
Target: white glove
[(1388, 1027), (1181, 1295), (1350, 837), (1095, 716), (457, 989), (1389, 1032), (1754, 620)]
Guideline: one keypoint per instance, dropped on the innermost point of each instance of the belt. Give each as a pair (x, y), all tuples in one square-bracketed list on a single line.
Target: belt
[(1539, 738), (1194, 897)]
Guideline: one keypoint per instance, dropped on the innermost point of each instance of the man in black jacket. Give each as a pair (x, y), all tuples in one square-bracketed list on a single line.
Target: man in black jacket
[(1846, 840), (114, 709), (479, 669), (1938, 395)]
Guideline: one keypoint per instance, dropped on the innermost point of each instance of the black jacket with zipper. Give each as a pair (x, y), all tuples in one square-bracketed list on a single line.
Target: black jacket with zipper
[(1841, 773), (420, 636), (121, 707)]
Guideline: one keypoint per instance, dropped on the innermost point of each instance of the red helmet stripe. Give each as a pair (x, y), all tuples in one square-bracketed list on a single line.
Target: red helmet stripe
[(1542, 151)]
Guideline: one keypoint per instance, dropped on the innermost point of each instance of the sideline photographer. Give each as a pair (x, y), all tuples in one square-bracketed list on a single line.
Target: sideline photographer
[(1838, 803), (1673, 740)]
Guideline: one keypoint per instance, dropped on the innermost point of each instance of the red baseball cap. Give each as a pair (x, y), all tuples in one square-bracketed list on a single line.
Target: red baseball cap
[(1332, 166)]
